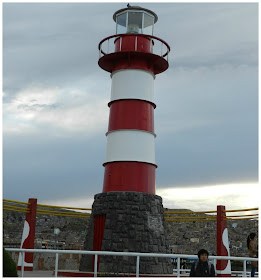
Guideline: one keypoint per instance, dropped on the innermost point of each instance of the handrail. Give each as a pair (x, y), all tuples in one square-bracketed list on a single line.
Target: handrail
[(134, 254), (15, 207), (194, 217), (11, 209), (241, 210), (240, 216), (165, 212), (214, 211), (130, 254), (137, 35), (187, 220), (19, 202), (188, 212), (62, 212), (61, 215), (64, 207)]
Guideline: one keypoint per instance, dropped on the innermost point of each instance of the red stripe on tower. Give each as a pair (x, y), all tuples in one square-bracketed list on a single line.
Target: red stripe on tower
[(132, 176), (135, 114), (130, 155)]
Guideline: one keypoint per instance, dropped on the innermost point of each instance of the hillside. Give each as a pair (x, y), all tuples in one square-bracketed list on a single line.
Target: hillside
[(72, 230), (189, 237), (185, 237)]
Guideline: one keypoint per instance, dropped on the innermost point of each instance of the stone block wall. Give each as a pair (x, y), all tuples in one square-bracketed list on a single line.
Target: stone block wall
[(134, 223)]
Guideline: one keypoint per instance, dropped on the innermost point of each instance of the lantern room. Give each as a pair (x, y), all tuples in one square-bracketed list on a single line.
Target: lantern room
[(135, 20), (134, 46)]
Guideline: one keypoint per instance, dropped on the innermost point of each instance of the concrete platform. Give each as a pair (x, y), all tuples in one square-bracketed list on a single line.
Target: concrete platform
[(75, 273), (37, 273)]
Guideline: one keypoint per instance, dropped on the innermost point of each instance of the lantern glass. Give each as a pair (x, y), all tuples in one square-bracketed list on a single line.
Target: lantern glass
[(139, 22), (134, 22), (148, 24), (121, 23)]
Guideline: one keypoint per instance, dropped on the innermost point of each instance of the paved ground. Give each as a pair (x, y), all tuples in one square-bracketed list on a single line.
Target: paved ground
[(37, 273)]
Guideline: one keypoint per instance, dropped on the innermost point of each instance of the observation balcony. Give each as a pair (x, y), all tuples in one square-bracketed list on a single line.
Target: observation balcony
[(137, 51)]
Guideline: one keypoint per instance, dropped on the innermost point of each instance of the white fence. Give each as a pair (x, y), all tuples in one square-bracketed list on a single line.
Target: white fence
[(134, 254)]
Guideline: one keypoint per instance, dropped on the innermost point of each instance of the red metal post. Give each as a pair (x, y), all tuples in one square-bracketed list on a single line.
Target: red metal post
[(223, 267), (28, 236), (99, 223)]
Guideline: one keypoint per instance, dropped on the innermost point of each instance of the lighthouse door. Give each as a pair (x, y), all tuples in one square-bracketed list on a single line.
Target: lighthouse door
[(99, 222)]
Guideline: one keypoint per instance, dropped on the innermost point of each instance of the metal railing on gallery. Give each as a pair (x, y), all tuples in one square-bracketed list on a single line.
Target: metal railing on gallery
[(134, 254)]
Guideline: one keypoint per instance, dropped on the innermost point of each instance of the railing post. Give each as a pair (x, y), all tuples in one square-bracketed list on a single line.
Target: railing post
[(56, 264), (138, 266), (22, 268), (95, 265), (120, 43), (135, 43), (244, 267), (178, 267), (215, 263), (223, 268), (28, 235)]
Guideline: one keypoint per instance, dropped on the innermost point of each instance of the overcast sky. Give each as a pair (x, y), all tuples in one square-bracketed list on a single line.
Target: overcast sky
[(55, 112)]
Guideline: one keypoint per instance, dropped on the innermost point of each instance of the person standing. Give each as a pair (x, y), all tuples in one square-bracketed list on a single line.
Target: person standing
[(202, 267), (252, 251), (183, 267)]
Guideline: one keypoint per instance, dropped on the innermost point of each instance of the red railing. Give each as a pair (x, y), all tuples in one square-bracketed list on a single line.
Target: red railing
[(157, 45)]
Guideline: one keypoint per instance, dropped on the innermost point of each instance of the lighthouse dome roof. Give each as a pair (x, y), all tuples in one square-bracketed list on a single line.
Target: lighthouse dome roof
[(136, 8)]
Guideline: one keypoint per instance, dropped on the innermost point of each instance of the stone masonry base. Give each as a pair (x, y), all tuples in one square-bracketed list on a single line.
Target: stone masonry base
[(134, 223)]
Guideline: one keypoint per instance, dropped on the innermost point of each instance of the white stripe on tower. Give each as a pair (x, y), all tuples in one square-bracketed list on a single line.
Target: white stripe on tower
[(130, 145), (132, 84)]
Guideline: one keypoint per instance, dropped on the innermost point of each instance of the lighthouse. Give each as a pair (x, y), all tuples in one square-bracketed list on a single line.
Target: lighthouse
[(130, 158), (128, 215)]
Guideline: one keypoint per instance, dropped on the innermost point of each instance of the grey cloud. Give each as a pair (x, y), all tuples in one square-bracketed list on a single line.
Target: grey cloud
[(54, 43), (206, 118), (57, 43), (207, 126), (36, 107), (207, 156), (44, 166), (245, 54)]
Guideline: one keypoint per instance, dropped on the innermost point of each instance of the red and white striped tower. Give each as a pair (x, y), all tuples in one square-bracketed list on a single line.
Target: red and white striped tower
[(133, 63)]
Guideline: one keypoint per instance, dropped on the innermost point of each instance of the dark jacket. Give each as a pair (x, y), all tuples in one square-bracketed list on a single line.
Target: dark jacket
[(203, 269)]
